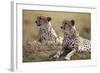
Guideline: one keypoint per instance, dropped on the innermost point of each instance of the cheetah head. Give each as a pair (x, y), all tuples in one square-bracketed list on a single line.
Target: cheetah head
[(42, 20), (67, 25)]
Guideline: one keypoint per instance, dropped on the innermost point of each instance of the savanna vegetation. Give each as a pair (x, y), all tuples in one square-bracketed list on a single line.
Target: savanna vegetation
[(38, 52)]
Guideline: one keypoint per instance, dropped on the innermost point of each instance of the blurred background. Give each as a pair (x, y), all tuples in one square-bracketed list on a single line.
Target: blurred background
[(30, 30)]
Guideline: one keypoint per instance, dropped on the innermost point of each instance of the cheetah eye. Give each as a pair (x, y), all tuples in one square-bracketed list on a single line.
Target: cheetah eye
[(40, 18), (65, 23)]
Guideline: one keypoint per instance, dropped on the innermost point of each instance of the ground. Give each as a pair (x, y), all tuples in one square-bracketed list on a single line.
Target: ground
[(30, 32), (43, 54)]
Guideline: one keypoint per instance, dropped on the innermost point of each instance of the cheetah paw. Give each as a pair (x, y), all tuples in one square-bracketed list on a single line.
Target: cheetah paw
[(67, 58), (55, 56)]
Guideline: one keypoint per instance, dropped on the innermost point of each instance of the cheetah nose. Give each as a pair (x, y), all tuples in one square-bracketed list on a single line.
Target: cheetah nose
[(61, 27), (35, 21)]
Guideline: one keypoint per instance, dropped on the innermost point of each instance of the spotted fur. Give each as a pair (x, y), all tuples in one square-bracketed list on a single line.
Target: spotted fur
[(72, 42), (46, 31)]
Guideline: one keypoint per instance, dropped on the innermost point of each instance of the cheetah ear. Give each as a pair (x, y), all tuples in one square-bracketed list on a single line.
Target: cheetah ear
[(49, 18), (73, 22)]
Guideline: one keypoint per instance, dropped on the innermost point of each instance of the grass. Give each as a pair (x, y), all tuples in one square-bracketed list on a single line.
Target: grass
[(37, 52)]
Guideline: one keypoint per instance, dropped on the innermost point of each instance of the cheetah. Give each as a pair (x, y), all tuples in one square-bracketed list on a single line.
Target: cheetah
[(72, 42), (46, 31)]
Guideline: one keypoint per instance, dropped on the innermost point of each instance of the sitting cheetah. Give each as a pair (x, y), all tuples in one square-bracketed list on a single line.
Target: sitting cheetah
[(46, 31), (72, 42)]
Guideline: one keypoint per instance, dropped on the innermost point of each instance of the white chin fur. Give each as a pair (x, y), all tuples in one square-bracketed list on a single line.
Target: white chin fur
[(74, 27)]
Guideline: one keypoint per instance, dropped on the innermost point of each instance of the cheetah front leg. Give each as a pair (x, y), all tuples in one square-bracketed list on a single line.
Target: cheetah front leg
[(60, 52), (68, 56)]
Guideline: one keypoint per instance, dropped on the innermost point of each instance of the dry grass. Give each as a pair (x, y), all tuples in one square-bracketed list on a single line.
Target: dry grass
[(37, 52)]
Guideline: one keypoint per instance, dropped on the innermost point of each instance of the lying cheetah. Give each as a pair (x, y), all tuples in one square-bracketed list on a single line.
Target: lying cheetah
[(72, 42), (46, 31)]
